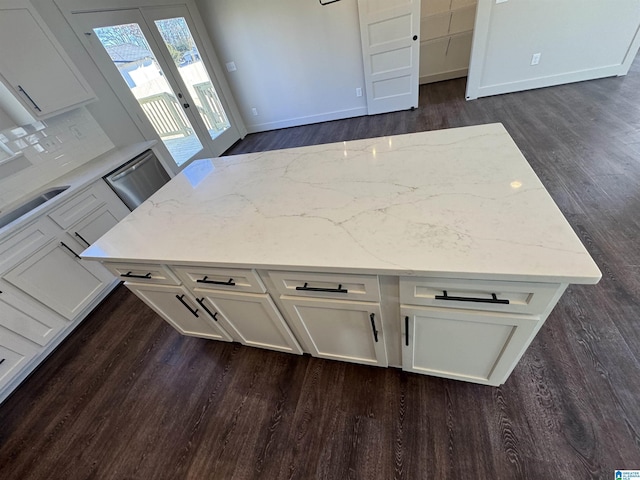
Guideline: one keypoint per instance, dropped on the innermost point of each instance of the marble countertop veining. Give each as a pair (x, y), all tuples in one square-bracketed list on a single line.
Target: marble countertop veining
[(460, 202)]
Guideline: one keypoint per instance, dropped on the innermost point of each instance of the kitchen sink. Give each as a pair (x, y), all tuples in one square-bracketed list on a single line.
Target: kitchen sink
[(30, 204)]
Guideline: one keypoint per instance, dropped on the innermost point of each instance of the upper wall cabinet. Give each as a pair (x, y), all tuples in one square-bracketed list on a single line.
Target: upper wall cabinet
[(33, 65)]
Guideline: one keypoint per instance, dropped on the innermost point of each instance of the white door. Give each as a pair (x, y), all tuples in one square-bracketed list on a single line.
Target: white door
[(250, 317), (389, 32), (180, 309), (172, 85), (339, 330), (474, 346)]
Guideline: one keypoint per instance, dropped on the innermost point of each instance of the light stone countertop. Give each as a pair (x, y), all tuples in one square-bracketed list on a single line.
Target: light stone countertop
[(461, 203)]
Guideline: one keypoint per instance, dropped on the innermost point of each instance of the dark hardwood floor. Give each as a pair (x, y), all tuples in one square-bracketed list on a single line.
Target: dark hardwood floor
[(126, 397)]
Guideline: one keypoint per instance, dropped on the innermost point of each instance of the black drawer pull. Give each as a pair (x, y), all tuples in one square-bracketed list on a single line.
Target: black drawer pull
[(494, 299), (195, 312), (406, 331), (229, 282), (35, 105), (68, 248), (204, 307), (315, 289), (81, 238), (133, 275), (2, 361), (373, 326)]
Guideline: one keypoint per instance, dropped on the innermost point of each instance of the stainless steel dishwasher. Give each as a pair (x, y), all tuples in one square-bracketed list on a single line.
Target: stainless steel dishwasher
[(138, 179)]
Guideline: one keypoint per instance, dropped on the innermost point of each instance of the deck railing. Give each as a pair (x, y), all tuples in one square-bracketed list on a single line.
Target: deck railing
[(166, 115)]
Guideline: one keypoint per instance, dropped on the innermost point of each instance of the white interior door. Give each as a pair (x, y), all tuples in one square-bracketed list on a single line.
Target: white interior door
[(389, 32), (157, 64)]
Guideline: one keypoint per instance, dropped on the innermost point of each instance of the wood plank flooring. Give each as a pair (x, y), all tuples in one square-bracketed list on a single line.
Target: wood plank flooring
[(126, 397)]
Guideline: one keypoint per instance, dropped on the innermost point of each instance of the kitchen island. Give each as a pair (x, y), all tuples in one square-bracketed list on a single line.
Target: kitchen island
[(438, 252)]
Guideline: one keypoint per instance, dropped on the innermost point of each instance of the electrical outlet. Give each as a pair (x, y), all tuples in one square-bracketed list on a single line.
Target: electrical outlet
[(535, 58), (254, 111), (76, 132), (231, 66), (49, 144), (358, 92)]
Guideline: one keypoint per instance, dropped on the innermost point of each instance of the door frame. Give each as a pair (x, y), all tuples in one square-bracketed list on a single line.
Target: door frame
[(69, 8)]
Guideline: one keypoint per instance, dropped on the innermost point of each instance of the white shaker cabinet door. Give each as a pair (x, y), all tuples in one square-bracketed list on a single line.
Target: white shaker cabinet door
[(22, 315), (57, 277), (480, 347), (339, 330), (15, 353), (251, 318), (35, 67), (180, 309)]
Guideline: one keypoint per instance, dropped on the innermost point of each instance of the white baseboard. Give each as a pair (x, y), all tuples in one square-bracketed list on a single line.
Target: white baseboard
[(439, 77), (294, 122), (541, 82)]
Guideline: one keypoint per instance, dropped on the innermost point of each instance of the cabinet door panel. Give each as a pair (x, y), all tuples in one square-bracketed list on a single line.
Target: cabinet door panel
[(188, 319), (40, 74), (253, 318), (58, 279), (15, 353), (478, 347), (339, 330), (22, 315)]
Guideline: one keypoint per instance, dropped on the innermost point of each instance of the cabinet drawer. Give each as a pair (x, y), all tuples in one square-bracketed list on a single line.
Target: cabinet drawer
[(517, 297), (327, 285), (142, 273), (237, 280), (15, 353), (25, 242), (80, 205)]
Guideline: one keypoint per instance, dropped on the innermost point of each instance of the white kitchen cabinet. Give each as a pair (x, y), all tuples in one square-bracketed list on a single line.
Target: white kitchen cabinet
[(474, 346), (33, 65), (96, 224), (250, 318), (344, 330), (56, 276), (20, 314), (15, 354), (176, 305)]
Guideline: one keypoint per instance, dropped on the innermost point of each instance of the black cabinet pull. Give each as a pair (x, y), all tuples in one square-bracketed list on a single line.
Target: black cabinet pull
[(373, 326), (35, 105), (315, 289), (229, 282), (494, 299), (406, 331), (415, 37), (67, 247), (204, 307), (2, 361), (82, 238), (133, 275), (195, 312)]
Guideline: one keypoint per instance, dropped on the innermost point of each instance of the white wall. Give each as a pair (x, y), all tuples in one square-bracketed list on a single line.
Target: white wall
[(297, 61), (578, 40), (108, 111)]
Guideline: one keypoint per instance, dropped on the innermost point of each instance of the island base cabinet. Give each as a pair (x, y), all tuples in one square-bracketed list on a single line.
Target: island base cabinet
[(250, 318), (480, 347), (349, 331), (15, 354), (180, 310)]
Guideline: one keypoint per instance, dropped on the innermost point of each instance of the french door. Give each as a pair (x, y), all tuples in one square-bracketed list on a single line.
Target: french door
[(155, 62)]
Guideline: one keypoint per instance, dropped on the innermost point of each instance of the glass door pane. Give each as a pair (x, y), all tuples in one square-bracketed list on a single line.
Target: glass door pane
[(186, 56), (134, 58)]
